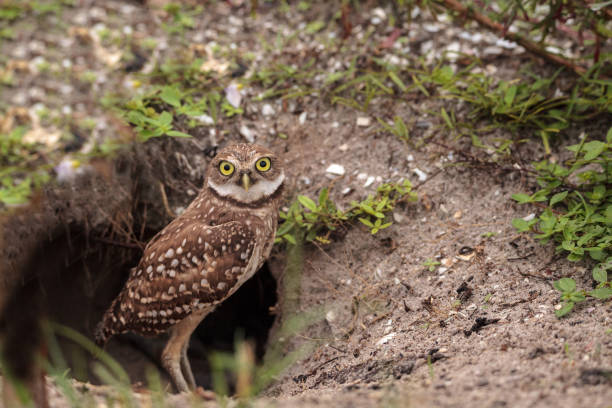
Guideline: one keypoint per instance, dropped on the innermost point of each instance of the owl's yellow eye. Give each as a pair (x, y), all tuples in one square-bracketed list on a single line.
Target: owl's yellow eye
[(226, 168), (263, 164)]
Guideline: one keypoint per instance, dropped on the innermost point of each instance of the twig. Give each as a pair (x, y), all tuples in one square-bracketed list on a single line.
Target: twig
[(165, 200), (520, 258)]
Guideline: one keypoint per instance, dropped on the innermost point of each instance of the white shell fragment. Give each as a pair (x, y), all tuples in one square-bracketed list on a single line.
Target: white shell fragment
[(336, 169), (363, 121), (420, 174), (247, 134), (385, 339), (267, 110)]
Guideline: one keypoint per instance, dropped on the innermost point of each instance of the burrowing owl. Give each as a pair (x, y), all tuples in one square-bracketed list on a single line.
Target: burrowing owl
[(203, 256)]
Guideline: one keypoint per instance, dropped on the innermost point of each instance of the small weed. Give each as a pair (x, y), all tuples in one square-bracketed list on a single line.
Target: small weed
[(398, 128), (20, 169), (570, 295), (181, 18), (577, 214), (528, 103), (430, 264), (11, 10), (316, 221), (568, 352)]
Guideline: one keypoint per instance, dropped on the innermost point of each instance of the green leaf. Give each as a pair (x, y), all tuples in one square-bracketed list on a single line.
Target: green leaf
[(567, 307), (165, 118), (307, 202), (171, 96), (397, 81), (593, 149), (334, 76), (522, 198), (315, 26), (602, 293), (366, 222), (609, 136), (520, 224), (600, 274), (557, 198), (176, 133), (510, 94), (447, 119), (565, 285), (290, 238), (576, 297), (323, 196)]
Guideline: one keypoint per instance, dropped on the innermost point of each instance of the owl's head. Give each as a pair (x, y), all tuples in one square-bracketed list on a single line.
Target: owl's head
[(245, 173)]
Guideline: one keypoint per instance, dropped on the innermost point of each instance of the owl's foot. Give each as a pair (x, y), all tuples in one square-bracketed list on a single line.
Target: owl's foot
[(186, 367), (205, 394)]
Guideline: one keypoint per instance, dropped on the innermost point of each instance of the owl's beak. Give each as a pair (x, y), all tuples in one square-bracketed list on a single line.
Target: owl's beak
[(246, 182)]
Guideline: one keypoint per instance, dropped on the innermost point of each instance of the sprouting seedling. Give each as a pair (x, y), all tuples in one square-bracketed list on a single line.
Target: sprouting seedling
[(431, 264)]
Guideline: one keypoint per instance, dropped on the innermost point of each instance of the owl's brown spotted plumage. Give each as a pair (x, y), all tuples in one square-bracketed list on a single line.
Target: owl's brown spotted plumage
[(203, 256)]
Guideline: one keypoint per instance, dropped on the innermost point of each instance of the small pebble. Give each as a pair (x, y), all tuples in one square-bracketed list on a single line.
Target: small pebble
[(302, 118), (247, 134), (420, 174), (267, 110), (363, 121), (369, 181), (385, 339), (233, 95), (205, 119), (336, 169)]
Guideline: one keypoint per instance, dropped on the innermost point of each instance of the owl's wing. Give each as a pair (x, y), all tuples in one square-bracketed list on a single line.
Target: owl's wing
[(188, 267)]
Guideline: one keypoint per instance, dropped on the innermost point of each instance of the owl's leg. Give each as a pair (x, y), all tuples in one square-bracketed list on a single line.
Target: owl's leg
[(186, 367), (170, 359), (172, 355)]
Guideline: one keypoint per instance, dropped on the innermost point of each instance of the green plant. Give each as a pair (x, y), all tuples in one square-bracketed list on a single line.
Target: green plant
[(523, 103), (399, 128), (310, 220), (20, 170), (570, 295), (431, 264), (577, 214), (181, 17)]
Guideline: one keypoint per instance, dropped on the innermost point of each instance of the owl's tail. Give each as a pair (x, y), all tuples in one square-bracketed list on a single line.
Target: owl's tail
[(109, 325)]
